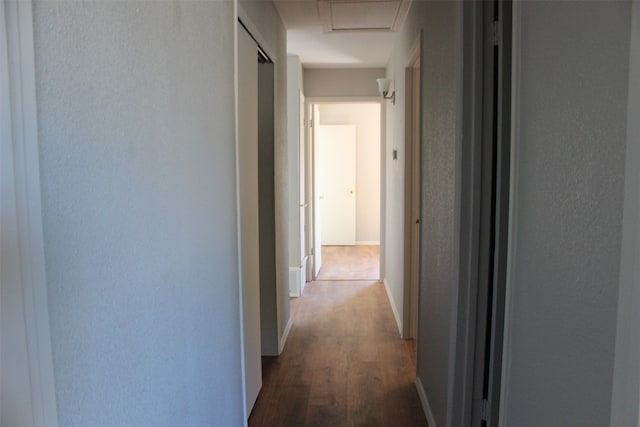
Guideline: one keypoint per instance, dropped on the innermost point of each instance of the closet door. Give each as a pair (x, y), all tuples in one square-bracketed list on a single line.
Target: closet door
[(249, 220)]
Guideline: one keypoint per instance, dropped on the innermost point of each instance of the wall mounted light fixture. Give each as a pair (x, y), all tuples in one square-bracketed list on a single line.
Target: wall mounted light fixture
[(384, 85)]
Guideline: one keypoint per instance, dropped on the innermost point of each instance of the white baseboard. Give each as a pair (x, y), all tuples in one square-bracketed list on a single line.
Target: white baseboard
[(294, 282), (303, 275), (298, 278), (285, 335), (367, 242), (394, 307), (425, 403)]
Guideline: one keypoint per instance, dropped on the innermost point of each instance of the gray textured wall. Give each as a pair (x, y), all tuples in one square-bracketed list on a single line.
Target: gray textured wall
[(138, 189), (569, 176), (441, 67), (439, 234), (392, 230), (625, 403)]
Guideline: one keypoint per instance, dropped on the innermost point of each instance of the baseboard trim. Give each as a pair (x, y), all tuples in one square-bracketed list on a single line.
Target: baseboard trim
[(285, 335), (303, 274), (425, 403), (394, 307), (294, 282), (368, 243)]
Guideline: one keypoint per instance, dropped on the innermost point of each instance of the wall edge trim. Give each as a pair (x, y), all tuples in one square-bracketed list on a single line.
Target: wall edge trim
[(513, 214), (22, 114), (285, 335), (425, 403), (394, 308)]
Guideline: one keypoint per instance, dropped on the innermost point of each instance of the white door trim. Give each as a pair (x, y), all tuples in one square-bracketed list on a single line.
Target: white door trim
[(626, 374), (243, 371), (21, 197)]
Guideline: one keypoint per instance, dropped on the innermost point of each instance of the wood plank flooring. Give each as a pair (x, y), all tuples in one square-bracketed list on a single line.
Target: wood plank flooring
[(343, 365), (360, 262)]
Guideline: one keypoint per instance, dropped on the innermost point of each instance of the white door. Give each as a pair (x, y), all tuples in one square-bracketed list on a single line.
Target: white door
[(249, 228), (337, 161)]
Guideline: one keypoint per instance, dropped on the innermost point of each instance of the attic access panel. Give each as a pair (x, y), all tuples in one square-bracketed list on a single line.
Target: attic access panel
[(362, 15)]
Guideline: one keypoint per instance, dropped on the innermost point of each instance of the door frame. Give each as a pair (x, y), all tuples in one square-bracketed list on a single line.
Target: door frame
[(497, 174), (24, 276), (309, 230), (310, 234), (471, 303), (412, 188), (303, 204)]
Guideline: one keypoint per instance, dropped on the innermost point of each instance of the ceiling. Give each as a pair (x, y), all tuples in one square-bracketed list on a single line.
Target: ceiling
[(342, 33)]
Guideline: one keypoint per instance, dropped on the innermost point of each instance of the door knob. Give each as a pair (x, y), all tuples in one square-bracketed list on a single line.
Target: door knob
[(351, 191)]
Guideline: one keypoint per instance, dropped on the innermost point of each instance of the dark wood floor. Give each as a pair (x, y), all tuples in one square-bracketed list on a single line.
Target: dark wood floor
[(360, 262), (343, 365)]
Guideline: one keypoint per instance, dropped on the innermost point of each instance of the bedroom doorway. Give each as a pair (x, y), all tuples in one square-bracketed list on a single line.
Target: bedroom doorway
[(346, 143)]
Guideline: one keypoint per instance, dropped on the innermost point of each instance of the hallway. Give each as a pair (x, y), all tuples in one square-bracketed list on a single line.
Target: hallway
[(344, 363), (361, 262)]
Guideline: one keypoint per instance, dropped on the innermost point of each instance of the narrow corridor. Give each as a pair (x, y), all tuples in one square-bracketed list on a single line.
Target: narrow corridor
[(344, 363)]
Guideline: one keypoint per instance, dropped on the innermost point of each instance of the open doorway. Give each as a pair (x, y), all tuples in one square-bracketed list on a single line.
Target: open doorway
[(346, 178)]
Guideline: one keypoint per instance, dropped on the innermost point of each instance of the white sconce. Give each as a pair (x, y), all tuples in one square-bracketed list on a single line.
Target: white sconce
[(384, 85)]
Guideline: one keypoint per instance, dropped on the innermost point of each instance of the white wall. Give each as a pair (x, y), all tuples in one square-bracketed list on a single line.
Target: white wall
[(569, 173), (341, 83), (138, 196), (366, 118)]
